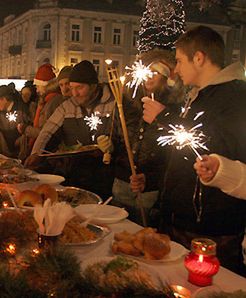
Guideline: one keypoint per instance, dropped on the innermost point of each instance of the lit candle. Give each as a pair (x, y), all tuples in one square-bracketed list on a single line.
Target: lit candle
[(5, 204), (201, 262), (180, 292), (35, 252), (11, 249)]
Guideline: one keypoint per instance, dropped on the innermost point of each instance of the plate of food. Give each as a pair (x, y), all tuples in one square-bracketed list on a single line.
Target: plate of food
[(19, 178), (77, 196), (70, 150), (111, 275), (147, 246), (48, 178), (75, 234), (104, 213), (8, 163)]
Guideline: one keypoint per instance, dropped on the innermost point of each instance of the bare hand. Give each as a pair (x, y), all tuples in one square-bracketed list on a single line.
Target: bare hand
[(32, 161), (152, 109), (137, 182), (207, 167), (20, 128)]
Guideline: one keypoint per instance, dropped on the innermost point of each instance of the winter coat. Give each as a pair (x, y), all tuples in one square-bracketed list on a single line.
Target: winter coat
[(224, 106), (68, 125), (149, 158)]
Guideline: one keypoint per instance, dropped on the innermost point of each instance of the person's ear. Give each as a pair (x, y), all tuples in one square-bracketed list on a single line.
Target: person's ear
[(199, 58)]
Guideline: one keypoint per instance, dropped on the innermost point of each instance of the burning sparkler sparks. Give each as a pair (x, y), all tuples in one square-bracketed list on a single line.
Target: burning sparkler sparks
[(139, 73), (12, 117), (180, 137), (93, 121)]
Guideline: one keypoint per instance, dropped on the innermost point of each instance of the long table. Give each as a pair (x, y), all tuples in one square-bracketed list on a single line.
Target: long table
[(171, 272)]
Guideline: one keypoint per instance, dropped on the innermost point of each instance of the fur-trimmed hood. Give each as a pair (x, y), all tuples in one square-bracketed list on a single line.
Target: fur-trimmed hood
[(232, 72)]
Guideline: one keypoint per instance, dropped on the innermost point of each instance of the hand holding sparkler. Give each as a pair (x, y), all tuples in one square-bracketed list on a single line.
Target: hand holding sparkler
[(206, 168), (151, 109)]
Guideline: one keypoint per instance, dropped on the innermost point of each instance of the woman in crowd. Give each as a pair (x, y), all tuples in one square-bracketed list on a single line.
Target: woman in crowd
[(47, 89), (29, 101), (148, 156)]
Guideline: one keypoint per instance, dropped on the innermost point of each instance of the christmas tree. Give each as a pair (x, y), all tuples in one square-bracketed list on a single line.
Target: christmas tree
[(161, 24)]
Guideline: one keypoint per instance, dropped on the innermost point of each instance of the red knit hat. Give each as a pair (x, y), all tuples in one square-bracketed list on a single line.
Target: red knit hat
[(44, 75)]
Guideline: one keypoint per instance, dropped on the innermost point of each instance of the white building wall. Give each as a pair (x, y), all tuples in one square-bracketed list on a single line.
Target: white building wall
[(25, 32)]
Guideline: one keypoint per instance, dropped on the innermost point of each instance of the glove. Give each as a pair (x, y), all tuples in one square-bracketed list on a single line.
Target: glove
[(105, 144)]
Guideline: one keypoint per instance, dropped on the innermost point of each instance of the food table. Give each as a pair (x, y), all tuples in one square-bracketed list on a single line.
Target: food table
[(172, 272)]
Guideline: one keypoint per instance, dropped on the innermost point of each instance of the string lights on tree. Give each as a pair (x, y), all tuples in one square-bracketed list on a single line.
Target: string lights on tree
[(161, 24)]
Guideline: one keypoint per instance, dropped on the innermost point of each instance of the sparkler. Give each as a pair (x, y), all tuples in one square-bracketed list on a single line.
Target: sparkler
[(93, 121), (12, 117), (139, 73), (180, 137)]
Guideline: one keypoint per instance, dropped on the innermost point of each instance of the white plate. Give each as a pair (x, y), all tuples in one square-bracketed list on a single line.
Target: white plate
[(47, 178), (155, 277), (177, 251), (108, 214)]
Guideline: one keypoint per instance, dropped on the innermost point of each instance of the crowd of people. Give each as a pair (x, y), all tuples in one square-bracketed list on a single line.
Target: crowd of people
[(181, 196)]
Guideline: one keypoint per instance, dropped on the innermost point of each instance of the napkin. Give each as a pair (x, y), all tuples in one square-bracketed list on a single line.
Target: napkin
[(51, 218)]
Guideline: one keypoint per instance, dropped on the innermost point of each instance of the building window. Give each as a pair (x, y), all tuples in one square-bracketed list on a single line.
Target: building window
[(75, 33), (46, 32), (73, 61), (115, 63), (116, 36), (96, 63), (135, 38), (97, 35)]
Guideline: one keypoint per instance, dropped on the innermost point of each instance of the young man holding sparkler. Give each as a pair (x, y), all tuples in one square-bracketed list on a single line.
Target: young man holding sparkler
[(10, 115), (68, 125), (189, 209)]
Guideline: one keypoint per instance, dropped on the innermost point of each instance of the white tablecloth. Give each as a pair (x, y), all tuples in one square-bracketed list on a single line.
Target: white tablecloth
[(172, 272)]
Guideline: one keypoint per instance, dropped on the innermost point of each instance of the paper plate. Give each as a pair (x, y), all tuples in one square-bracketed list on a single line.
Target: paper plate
[(177, 251), (107, 214), (49, 179)]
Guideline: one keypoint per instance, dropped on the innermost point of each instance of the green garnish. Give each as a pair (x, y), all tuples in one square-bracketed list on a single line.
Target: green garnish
[(119, 265)]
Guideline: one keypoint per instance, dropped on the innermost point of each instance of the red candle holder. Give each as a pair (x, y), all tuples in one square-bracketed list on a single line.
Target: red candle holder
[(202, 262)]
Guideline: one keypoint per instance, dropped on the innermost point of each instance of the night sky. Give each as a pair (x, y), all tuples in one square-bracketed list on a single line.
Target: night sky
[(8, 7)]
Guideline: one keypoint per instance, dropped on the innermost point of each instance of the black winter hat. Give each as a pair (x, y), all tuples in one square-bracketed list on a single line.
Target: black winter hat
[(84, 72)]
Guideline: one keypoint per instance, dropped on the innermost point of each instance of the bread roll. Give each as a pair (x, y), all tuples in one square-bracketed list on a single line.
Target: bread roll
[(47, 192), (156, 246), (29, 196)]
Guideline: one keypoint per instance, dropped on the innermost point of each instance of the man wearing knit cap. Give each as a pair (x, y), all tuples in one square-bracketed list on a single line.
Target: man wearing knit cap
[(68, 126), (83, 82), (63, 82)]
